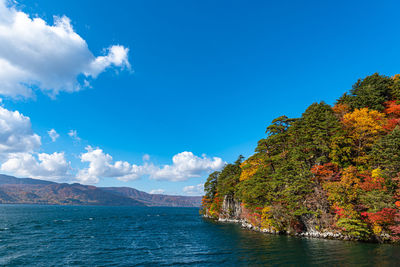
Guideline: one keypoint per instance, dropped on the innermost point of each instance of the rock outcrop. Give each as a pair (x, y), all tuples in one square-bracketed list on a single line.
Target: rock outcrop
[(233, 211)]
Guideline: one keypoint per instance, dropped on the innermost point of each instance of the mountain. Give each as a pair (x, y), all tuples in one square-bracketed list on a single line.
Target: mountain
[(155, 199), (33, 191)]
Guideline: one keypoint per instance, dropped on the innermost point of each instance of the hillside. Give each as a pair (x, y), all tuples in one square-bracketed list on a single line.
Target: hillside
[(155, 199), (33, 191), (335, 171)]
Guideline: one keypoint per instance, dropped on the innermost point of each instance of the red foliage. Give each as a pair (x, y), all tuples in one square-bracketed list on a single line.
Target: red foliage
[(391, 124), (396, 228), (392, 108), (393, 112), (373, 183), (326, 172), (384, 217), (341, 212)]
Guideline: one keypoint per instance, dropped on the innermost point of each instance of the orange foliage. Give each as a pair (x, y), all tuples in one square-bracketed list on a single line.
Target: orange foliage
[(373, 183), (326, 172), (340, 110), (393, 112)]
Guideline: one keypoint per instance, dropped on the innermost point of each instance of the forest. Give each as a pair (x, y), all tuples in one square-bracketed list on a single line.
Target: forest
[(336, 167)]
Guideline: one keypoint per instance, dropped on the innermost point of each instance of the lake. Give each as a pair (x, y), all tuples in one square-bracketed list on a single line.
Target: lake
[(141, 236)]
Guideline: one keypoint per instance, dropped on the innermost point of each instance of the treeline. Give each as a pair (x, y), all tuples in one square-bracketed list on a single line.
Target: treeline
[(335, 168)]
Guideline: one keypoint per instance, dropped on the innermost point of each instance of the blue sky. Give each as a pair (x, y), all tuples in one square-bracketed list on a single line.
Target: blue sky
[(206, 77)]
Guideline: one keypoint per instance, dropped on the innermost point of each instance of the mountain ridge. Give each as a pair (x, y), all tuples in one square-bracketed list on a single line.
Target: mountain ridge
[(15, 190)]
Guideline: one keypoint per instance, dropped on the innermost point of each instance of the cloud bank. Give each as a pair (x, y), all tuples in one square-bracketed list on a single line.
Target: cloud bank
[(36, 55), (194, 190), (184, 165), (19, 155), (53, 167), (18, 146), (157, 191), (16, 134), (102, 165)]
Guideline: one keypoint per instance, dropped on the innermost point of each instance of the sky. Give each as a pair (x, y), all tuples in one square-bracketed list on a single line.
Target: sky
[(156, 95)]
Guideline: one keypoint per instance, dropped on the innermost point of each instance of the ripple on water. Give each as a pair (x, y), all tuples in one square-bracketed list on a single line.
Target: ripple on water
[(121, 236)]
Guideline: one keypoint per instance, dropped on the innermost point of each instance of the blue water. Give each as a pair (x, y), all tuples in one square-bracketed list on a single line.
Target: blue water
[(137, 236)]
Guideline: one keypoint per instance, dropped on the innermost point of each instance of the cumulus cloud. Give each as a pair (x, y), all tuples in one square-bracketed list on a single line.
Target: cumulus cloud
[(102, 165), (34, 54), (16, 134), (186, 165), (194, 189), (53, 135), (19, 156), (157, 191), (18, 144), (74, 135), (52, 167)]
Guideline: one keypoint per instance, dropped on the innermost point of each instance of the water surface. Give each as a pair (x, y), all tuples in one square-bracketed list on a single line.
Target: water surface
[(139, 236)]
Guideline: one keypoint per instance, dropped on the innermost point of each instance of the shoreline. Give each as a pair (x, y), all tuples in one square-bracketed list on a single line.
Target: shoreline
[(313, 234)]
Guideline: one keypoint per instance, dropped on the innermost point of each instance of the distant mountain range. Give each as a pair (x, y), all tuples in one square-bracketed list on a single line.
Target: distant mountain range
[(33, 191)]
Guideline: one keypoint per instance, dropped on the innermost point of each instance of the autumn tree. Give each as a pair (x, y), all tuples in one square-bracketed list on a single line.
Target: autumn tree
[(363, 126)]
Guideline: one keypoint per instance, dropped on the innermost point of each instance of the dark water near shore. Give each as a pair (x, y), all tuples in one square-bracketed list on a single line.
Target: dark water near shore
[(131, 236)]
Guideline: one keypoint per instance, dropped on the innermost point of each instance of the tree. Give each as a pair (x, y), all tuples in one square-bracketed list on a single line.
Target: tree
[(229, 178), (364, 126), (313, 134), (210, 186), (370, 92), (385, 153)]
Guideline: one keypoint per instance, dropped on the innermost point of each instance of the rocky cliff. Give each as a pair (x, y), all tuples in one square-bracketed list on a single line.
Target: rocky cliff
[(232, 211)]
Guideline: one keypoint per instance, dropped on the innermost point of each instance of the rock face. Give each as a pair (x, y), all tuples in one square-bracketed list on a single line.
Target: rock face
[(233, 211)]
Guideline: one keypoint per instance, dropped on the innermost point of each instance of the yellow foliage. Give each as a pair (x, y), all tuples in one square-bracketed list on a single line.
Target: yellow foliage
[(266, 218), (364, 126), (249, 168), (345, 191), (377, 229), (376, 173), (364, 123)]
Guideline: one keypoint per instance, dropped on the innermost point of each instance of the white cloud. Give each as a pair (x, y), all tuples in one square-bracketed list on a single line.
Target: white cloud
[(157, 191), (186, 165), (16, 134), (19, 156), (117, 55), (102, 165), (194, 189), (18, 144), (52, 167), (34, 54), (53, 135), (74, 135)]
